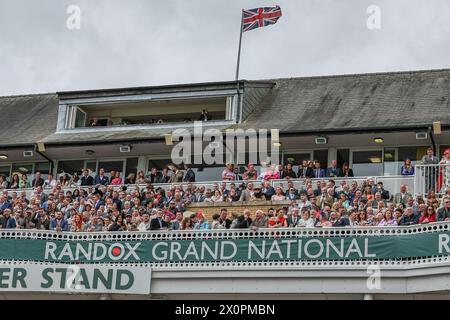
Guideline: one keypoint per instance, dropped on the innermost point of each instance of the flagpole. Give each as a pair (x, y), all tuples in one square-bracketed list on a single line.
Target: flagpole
[(239, 50)]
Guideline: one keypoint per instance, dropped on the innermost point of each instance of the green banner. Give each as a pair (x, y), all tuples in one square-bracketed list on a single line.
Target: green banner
[(207, 250)]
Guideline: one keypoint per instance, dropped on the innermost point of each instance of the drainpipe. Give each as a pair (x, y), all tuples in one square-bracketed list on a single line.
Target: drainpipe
[(433, 143), (52, 164)]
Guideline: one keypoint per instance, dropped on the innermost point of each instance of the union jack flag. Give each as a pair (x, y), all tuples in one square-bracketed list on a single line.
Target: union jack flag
[(260, 17)]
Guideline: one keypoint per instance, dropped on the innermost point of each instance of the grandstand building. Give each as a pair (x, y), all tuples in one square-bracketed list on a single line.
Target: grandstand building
[(371, 121)]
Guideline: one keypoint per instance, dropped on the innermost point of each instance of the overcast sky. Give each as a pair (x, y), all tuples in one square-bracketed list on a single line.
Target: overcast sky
[(155, 42)]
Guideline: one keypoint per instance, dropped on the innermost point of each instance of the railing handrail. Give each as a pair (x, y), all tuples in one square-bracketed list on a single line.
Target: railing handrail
[(348, 231)]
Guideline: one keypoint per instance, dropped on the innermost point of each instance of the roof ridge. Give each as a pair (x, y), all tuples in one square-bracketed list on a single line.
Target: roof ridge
[(367, 74)]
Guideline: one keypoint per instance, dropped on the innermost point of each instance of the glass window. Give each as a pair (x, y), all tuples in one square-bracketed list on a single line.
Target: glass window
[(343, 155), (71, 166), (391, 167), (367, 163), (42, 167), (92, 166), (322, 157), (5, 171), (110, 166), (158, 164), (131, 166), (80, 118)]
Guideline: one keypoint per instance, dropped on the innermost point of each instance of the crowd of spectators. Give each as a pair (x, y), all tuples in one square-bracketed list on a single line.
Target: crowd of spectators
[(132, 208), (107, 203)]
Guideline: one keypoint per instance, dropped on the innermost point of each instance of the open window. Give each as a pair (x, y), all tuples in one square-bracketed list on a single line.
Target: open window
[(149, 112)]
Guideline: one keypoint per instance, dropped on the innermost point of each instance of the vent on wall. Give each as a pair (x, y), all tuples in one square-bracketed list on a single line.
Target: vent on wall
[(321, 140), (421, 135), (125, 148), (28, 154)]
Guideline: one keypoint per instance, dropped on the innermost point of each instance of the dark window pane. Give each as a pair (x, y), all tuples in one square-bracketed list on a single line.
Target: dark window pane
[(322, 157), (367, 163), (343, 155), (71, 166), (131, 166), (111, 165)]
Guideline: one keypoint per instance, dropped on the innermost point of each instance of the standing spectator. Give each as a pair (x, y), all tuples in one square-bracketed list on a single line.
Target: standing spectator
[(101, 178), (430, 160), (407, 168), (205, 116), (37, 181), (334, 170), (444, 172)]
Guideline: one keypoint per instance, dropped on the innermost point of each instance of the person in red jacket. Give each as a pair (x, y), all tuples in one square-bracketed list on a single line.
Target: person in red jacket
[(428, 215)]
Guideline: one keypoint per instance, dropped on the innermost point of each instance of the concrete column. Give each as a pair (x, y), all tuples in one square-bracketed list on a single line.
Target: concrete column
[(142, 164), (332, 155)]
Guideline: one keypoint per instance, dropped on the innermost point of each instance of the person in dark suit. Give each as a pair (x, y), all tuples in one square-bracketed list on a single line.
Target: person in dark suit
[(37, 181), (305, 171), (98, 201), (346, 171), (292, 220), (101, 178), (267, 190), (157, 223), (86, 179), (190, 174), (318, 172), (334, 170)]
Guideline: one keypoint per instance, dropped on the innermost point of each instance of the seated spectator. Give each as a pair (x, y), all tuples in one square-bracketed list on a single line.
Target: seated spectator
[(346, 171), (59, 223), (216, 223), (288, 172), (14, 184), (217, 197), (407, 168), (334, 170), (278, 196), (443, 214), (24, 183), (250, 173), (267, 190), (140, 177), (101, 178), (306, 221), (408, 218), (157, 222), (228, 173), (201, 224), (37, 181), (428, 216), (388, 220), (116, 180), (130, 179), (186, 224)]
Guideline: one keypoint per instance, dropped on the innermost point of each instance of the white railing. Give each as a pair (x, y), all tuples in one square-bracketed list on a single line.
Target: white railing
[(391, 183), (434, 177)]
